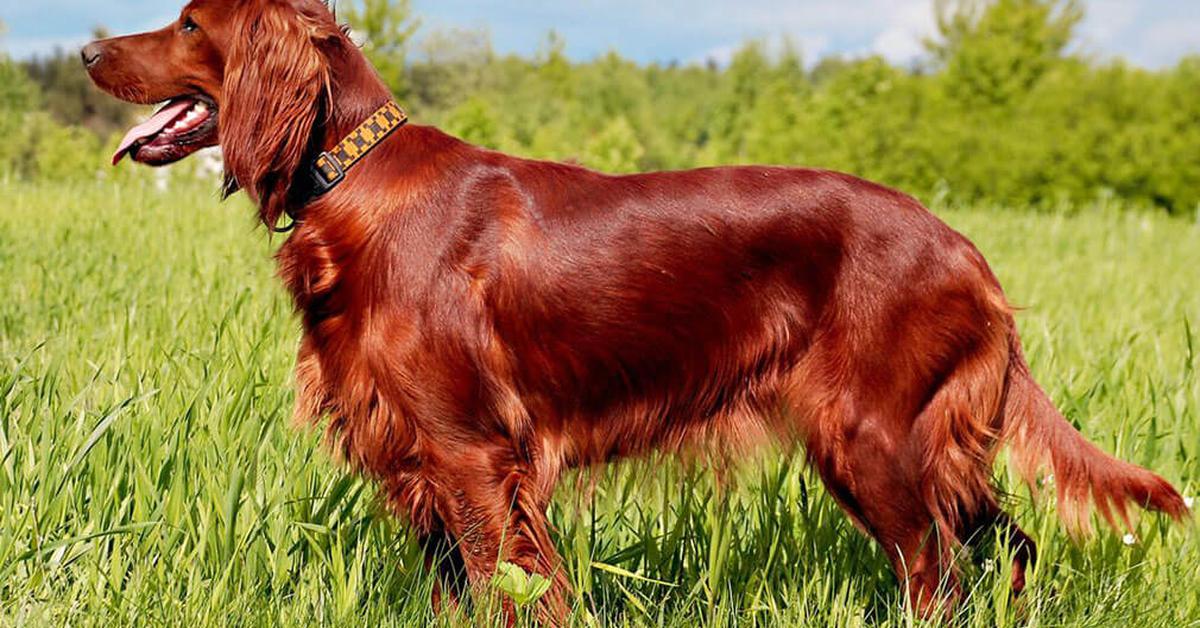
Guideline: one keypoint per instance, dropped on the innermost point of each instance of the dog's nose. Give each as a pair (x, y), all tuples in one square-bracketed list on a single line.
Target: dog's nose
[(91, 54)]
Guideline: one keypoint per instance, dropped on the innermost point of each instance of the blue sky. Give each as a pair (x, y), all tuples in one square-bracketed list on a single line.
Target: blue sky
[(1152, 33)]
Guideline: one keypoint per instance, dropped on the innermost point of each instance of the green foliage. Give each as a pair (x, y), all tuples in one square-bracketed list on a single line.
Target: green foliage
[(17, 92), (615, 148), (997, 50), (524, 588), (1001, 112), (18, 97), (1003, 115), (553, 67), (149, 474), (70, 97), (62, 153), (475, 122), (448, 68)]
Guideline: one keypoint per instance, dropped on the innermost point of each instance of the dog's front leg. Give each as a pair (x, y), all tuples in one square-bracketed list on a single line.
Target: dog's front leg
[(443, 559), (497, 514)]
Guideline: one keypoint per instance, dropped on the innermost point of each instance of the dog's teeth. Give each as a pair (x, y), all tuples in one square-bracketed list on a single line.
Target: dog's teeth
[(201, 107)]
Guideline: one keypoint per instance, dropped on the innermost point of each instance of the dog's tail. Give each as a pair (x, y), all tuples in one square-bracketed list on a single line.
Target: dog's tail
[(1042, 439)]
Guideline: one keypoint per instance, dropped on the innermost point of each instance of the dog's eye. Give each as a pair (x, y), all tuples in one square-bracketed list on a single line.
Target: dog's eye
[(189, 26)]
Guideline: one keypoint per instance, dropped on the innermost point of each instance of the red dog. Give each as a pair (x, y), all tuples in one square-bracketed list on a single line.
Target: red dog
[(475, 323)]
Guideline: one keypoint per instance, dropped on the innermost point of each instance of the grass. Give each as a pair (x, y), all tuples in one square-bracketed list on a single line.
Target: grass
[(148, 474)]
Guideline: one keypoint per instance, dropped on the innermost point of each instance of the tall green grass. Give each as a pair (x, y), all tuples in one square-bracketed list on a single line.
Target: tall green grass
[(148, 475)]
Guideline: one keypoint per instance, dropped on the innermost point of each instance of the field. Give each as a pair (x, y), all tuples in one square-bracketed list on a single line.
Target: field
[(149, 476)]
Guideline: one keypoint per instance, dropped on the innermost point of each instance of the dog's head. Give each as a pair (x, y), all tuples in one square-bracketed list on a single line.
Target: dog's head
[(250, 75)]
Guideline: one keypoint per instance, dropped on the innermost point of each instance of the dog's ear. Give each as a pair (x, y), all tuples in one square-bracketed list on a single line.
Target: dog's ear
[(275, 92)]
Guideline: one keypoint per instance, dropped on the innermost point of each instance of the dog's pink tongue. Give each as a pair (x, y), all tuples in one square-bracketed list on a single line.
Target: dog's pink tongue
[(156, 123)]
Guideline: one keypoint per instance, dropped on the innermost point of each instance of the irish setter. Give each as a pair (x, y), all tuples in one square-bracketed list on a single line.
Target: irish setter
[(475, 324)]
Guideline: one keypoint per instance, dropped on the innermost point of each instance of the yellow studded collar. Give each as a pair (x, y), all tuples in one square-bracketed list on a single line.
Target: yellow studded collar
[(331, 166)]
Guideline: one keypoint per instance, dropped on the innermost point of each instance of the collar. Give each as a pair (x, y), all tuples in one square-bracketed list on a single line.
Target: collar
[(330, 167)]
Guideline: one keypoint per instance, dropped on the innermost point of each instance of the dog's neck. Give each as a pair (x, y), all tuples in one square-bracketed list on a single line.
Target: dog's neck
[(357, 92)]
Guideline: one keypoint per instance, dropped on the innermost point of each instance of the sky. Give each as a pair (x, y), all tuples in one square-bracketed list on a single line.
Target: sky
[(1151, 33)]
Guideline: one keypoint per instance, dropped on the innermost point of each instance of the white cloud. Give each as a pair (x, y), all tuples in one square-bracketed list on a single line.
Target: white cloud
[(1163, 43), (1151, 33), (1107, 20), (902, 39), (892, 28)]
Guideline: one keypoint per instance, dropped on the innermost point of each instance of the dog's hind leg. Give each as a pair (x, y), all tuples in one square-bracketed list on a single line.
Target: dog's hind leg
[(867, 473), (905, 442), (1023, 548)]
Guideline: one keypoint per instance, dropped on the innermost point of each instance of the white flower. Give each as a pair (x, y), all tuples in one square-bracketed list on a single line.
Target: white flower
[(1189, 502), (1129, 539), (989, 566)]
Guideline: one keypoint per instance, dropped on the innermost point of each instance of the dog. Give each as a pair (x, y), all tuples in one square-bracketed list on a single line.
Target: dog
[(476, 324)]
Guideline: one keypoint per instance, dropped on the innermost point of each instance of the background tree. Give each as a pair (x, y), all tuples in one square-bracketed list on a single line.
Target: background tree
[(385, 28), (994, 51), (1000, 112), (448, 67), (71, 97), (17, 92)]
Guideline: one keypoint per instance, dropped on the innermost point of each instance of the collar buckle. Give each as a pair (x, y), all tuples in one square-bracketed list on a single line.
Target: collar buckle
[(327, 171), (329, 168)]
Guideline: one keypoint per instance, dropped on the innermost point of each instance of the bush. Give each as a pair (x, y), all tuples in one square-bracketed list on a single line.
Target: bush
[(1000, 112)]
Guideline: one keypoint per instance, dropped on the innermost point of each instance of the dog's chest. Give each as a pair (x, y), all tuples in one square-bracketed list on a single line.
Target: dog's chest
[(312, 269), (376, 318)]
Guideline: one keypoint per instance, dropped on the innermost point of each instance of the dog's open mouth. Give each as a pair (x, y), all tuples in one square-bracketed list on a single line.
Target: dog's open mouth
[(181, 127)]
